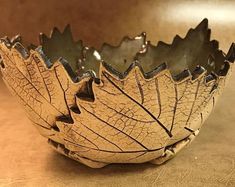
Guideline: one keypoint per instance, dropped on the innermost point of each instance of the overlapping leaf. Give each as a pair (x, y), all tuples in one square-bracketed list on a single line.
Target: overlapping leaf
[(116, 115), (47, 93), (134, 119)]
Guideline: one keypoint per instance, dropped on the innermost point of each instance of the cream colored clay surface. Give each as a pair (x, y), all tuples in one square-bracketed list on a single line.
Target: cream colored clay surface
[(27, 160)]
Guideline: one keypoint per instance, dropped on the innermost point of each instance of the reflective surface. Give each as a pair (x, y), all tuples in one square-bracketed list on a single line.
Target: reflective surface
[(25, 157)]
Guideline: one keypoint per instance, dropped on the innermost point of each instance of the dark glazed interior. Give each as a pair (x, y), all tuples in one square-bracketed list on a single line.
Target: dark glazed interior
[(195, 53)]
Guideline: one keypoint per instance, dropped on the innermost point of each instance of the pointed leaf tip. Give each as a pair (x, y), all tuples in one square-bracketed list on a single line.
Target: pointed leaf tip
[(55, 31), (176, 39), (67, 29), (231, 53), (203, 25)]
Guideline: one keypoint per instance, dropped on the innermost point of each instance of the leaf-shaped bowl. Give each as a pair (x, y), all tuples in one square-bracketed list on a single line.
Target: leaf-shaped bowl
[(130, 103)]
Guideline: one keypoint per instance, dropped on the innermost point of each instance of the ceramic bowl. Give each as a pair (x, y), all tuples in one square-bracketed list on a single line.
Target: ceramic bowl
[(131, 103)]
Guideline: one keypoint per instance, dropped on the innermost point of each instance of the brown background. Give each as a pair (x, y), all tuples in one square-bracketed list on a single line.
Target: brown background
[(25, 158)]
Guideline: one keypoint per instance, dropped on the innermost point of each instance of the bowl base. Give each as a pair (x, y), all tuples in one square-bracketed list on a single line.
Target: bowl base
[(169, 153)]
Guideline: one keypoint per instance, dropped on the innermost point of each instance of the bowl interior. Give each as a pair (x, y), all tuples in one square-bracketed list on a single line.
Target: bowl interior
[(187, 53)]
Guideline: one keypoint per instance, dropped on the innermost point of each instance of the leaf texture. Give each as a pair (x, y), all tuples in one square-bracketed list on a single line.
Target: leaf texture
[(125, 117), (134, 119), (45, 92)]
